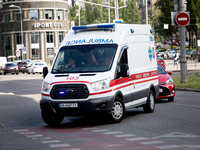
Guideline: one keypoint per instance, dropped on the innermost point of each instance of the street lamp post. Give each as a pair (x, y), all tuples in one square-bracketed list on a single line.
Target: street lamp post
[(21, 27)]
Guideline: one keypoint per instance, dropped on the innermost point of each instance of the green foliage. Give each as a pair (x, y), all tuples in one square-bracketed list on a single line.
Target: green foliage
[(193, 81), (165, 7), (92, 14)]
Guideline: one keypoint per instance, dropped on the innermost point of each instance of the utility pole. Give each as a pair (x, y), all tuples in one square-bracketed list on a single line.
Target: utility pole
[(183, 61)]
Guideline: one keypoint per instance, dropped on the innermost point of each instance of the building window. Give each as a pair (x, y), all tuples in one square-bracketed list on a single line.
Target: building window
[(50, 52), (49, 37), (33, 14), (61, 37), (35, 53), (6, 17), (34, 37), (19, 38), (48, 14), (60, 14), (17, 16)]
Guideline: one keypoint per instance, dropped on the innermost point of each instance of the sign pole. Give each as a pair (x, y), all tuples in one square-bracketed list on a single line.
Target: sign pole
[(183, 61)]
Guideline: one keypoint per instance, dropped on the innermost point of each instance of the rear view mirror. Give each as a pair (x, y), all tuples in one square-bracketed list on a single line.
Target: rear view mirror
[(125, 70), (45, 71), (169, 72)]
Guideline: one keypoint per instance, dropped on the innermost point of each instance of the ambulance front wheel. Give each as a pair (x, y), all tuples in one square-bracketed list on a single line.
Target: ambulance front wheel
[(51, 118), (150, 105), (118, 110)]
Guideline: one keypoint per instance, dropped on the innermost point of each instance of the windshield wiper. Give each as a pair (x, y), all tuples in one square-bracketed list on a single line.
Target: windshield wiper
[(58, 70)]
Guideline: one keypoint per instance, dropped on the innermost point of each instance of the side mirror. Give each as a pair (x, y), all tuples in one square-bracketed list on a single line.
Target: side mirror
[(169, 72), (45, 71), (124, 70)]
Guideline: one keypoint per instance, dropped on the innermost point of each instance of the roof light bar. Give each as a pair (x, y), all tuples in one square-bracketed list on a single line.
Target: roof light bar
[(94, 27)]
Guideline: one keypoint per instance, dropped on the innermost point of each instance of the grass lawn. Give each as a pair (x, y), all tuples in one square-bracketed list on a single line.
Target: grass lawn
[(193, 81)]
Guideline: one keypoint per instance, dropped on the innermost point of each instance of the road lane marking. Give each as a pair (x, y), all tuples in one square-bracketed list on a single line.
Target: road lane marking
[(167, 146), (27, 133), (108, 133), (124, 135), (50, 141), (60, 145), (137, 139), (32, 136), (192, 146), (100, 130), (21, 130), (151, 142)]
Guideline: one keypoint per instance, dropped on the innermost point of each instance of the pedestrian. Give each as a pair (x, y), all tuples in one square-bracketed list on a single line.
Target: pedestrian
[(50, 61), (175, 58)]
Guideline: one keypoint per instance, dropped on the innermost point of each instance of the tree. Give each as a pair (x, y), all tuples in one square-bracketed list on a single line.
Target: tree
[(91, 14), (166, 7), (193, 7)]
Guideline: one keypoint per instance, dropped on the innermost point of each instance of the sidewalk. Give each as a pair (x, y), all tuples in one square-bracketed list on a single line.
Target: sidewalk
[(191, 66)]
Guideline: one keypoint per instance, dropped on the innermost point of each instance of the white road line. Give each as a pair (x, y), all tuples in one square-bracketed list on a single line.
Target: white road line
[(21, 130), (32, 136), (112, 132), (50, 141), (90, 128), (192, 146), (124, 135), (116, 145), (27, 133), (167, 146), (42, 138), (151, 142), (100, 130), (137, 139), (59, 145)]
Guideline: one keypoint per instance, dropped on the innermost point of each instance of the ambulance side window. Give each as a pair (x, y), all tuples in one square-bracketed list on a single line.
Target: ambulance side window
[(123, 60)]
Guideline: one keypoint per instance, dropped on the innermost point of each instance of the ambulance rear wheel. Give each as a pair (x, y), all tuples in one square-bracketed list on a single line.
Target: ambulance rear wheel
[(118, 110), (150, 105), (51, 118)]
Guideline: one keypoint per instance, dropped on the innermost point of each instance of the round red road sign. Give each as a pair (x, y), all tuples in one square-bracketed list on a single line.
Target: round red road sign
[(182, 19)]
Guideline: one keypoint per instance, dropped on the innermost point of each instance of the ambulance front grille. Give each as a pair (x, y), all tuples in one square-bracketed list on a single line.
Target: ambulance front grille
[(69, 91)]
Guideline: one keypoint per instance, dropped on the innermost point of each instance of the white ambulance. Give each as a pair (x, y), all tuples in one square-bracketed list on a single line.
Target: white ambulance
[(103, 68)]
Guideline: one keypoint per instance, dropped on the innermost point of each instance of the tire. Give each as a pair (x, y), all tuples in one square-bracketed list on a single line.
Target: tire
[(150, 105), (12, 73), (4, 73), (33, 72), (17, 73), (51, 118), (118, 111), (170, 99)]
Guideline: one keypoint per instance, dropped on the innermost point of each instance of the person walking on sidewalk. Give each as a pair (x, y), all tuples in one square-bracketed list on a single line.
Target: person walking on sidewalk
[(175, 59)]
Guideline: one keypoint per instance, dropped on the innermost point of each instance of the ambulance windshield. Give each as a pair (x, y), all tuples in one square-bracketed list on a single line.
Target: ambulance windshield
[(85, 58)]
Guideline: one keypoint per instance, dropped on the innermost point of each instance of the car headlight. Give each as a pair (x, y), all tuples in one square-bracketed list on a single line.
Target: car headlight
[(101, 85), (45, 86), (169, 81)]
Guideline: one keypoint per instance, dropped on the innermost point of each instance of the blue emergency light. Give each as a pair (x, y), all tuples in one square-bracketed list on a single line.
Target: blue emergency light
[(118, 21), (94, 27), (62, 92)]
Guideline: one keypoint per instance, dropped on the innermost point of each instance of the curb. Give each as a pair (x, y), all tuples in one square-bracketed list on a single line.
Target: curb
[(185, 89)]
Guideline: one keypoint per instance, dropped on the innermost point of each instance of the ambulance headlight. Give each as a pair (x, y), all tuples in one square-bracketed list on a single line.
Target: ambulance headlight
[(45, 86), (101, 85), (169, 81)]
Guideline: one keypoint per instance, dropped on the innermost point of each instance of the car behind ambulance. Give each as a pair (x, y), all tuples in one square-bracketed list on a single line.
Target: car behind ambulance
[(103, 68)]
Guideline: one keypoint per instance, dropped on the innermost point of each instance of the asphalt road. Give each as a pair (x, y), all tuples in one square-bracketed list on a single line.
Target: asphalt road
[(173, 125)]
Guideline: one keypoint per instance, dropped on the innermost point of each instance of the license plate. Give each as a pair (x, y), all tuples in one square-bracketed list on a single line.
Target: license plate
[(68, 105), (160, 90), (22, 67)]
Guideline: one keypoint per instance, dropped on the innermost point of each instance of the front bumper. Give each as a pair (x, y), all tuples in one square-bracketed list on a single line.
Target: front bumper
[(167, 91), (100, 105)]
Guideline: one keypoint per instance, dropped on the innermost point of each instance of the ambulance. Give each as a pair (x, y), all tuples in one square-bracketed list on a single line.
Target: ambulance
[(101, 68)]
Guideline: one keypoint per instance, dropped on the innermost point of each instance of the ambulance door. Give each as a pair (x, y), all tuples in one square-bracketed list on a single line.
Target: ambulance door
[(123, 83)]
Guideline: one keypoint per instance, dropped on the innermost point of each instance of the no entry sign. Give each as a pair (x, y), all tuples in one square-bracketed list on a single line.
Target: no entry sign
[(182, 19)]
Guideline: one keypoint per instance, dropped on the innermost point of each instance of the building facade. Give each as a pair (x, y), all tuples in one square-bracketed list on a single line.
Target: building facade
[(33, 28)]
